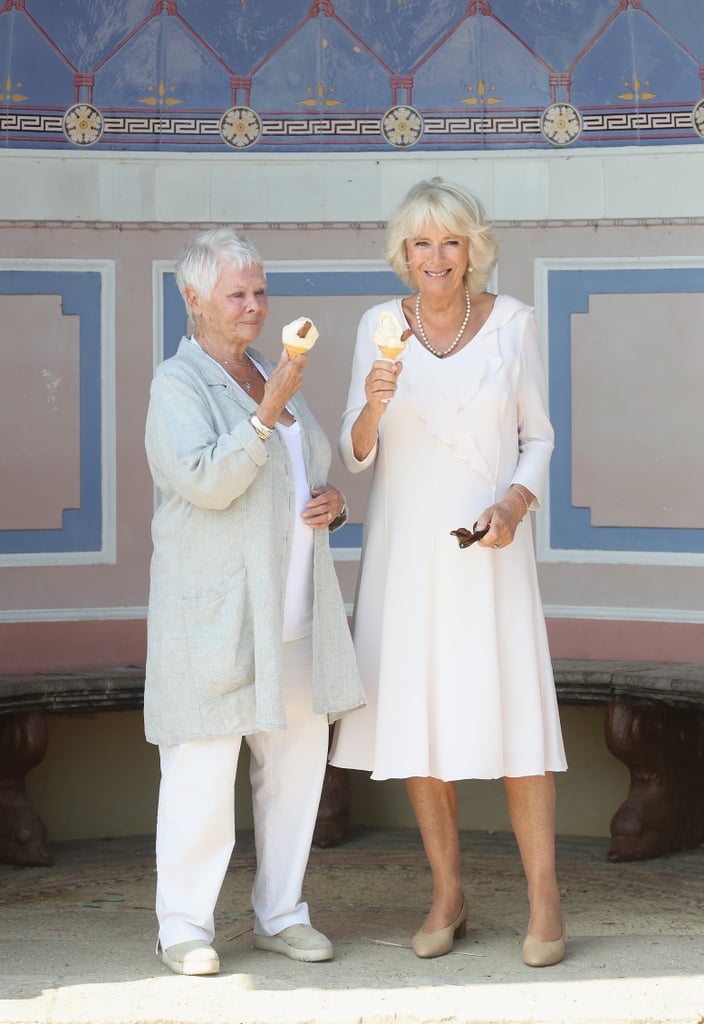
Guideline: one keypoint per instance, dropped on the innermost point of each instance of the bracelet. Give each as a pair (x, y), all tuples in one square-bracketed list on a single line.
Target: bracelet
[(263, 431), (518, 488)]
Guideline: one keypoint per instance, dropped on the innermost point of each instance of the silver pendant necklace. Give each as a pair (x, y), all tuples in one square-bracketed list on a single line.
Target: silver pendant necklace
[(457, 340), (246, 384)]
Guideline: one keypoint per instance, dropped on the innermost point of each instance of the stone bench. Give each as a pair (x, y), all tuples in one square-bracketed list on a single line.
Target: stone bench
[(25, 701), (654, 724)]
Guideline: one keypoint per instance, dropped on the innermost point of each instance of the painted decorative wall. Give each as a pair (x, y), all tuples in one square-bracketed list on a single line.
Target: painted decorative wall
[(599, 212), (350, 75)]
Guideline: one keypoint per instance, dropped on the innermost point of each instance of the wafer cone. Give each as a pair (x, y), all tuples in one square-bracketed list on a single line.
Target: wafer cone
[(299, 336), (391, 347), (295, 350)]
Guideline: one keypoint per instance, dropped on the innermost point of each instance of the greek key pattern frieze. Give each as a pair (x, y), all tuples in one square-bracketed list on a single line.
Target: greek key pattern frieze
[(367, 128)]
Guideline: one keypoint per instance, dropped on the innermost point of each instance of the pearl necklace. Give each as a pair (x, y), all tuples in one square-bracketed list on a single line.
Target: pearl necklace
[(457, 340)]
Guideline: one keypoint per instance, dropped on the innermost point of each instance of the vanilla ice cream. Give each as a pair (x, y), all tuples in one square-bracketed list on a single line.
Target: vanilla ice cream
[(390, 337), (299, 336)]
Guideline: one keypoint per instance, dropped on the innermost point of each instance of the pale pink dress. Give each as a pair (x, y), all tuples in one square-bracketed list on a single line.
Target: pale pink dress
[(451, 643)]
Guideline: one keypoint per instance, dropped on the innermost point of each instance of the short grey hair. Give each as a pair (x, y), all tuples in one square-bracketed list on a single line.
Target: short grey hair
[(201, 261), (453, 209)]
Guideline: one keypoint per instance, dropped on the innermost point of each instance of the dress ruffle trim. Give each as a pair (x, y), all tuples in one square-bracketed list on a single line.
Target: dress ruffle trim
[(422, 379)]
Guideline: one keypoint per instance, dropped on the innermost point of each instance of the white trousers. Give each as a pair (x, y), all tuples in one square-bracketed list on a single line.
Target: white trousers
[(195, 833)]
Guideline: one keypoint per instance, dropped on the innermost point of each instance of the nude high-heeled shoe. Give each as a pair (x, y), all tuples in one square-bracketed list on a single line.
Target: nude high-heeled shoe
[(430, 944), (543, 954)]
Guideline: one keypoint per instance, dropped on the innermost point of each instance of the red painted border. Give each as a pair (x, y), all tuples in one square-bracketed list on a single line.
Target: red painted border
[(65, 646), (626, 641)]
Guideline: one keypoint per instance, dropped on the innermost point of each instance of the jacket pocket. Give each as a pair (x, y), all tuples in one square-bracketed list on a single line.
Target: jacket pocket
[(219, 636)]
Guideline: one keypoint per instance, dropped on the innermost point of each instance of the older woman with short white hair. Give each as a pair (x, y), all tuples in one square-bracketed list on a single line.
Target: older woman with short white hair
[(247, 631)]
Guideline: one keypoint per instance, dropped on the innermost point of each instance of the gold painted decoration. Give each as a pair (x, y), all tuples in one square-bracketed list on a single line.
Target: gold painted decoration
[(8, 96), (161, 98), (634, 92), (319, 98), (482, 95)]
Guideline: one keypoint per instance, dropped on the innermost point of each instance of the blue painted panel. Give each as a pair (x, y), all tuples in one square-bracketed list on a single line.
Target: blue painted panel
[(81, 528), (244, 34), (382, 282), (401, 34), (88, 32), (37, 74), (683, 21), (174, 315), (348, 536), (482, 68), (557, 30), (165, 68), (569, 292), (322, 69), (635, 64)]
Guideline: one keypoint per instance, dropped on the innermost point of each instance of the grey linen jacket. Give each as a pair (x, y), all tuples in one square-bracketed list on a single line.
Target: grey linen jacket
[(222, 541)]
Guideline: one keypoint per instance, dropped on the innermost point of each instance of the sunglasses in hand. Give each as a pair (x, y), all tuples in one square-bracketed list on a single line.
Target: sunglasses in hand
[(465, 537)]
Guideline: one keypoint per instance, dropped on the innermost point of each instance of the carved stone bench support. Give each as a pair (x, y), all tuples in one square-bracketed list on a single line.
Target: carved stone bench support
[(663, 749), (23, 743), (333, 823)]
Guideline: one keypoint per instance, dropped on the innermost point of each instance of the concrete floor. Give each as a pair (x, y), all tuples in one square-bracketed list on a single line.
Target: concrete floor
[(77, 941)]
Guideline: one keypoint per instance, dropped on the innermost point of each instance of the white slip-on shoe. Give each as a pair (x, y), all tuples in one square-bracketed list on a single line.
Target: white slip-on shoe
[(194, 957), (297, 942)]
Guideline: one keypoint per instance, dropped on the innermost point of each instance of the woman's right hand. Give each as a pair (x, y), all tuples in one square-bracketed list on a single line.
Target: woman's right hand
[(283, 383), (379, 388), (380, 384)]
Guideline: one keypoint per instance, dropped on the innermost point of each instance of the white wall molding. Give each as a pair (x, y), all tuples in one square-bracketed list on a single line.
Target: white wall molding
[(122, 614), (516, 185), (693, 616)]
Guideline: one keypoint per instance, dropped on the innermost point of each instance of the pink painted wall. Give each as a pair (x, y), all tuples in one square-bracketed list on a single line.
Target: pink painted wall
[(40, 475)]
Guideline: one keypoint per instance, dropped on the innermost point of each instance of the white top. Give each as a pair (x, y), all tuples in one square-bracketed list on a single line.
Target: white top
[(298, 604), (451, 644)]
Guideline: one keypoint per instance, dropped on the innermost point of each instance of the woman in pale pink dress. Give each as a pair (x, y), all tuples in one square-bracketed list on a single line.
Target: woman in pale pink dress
[(450, 640)]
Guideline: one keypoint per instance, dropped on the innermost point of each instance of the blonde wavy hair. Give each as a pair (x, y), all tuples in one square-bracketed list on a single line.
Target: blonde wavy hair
[(452, 209)]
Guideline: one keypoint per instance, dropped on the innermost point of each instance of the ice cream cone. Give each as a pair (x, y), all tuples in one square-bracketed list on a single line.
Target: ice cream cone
[(299, 336), (390, 337)]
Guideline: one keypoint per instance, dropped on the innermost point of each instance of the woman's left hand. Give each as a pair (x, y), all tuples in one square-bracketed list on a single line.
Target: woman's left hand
[(323, 508), (502, 519)]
